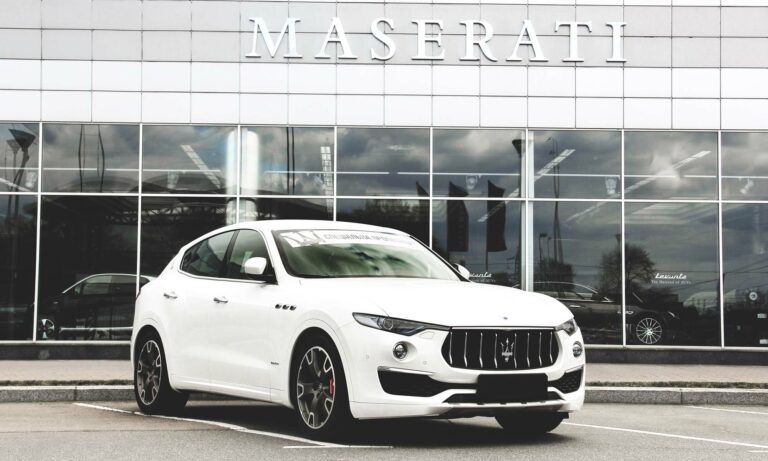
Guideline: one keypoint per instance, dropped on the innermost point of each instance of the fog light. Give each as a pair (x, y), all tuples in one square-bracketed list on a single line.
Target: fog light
[(578, 349), (400, 351)]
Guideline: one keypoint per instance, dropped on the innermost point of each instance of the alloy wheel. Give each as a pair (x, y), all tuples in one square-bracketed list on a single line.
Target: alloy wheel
[(149, 372), (648, 330), (315, 387)]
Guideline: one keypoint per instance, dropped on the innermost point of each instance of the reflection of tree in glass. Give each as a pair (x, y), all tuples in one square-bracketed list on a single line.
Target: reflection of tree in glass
[(640, 269)]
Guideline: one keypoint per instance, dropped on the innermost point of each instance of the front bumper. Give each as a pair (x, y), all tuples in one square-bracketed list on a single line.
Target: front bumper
[(369, 352)]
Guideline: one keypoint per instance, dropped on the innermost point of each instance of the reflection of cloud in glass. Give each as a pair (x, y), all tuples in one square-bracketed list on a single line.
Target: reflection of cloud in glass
[(469, 159), (166, 158), (279, 160), (97, 158), (745, 166), (383, 161), (676, 165), (589, 166)]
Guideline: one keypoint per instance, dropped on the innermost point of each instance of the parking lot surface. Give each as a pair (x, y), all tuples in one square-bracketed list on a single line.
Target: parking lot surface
[(225, 430)]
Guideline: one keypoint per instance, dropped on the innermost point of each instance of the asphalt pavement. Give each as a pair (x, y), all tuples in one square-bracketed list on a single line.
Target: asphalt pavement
[(245, 430)]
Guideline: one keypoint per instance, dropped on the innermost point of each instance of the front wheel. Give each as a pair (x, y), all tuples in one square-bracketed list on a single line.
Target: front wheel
[(151, 387), (529, 424), (319, 389)]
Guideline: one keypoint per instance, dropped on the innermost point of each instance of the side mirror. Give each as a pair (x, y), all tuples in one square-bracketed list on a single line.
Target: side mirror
[(255, 266), (463, 271)]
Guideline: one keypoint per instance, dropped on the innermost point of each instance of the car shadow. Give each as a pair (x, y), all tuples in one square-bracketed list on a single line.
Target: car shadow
[(411, 433)]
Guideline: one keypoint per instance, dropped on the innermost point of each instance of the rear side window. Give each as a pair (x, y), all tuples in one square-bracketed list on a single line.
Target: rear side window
[(248, 244), (207, 257)]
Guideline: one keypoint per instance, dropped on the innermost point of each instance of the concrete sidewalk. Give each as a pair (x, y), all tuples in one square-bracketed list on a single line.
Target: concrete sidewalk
[(57, 380)]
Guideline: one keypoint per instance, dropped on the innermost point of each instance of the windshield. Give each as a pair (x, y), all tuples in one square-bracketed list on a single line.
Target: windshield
[(353, 253)]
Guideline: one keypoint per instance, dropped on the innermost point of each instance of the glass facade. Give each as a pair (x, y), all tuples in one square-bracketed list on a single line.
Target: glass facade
[(651, 238)]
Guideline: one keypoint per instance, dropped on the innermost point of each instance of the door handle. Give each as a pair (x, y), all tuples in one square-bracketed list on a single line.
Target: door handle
[(170, 295), (574, 305), (220, 300)]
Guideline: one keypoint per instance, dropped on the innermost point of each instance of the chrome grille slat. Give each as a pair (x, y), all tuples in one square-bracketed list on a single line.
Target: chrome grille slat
[(466, 335), (480, 352), (509, 349)]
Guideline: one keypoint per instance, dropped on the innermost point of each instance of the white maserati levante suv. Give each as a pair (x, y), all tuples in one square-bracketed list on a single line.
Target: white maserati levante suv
[(345, 321)]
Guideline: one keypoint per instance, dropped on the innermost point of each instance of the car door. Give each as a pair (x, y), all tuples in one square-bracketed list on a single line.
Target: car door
[(241, 322), (187, 296)]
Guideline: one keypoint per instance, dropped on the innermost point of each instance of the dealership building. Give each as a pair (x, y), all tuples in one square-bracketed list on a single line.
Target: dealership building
[(610, 153)]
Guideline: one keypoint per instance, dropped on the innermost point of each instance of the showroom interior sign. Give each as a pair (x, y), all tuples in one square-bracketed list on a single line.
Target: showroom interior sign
[(429, 33)]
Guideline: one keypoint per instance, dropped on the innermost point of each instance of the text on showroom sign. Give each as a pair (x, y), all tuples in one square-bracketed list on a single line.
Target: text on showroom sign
[(474, 42)]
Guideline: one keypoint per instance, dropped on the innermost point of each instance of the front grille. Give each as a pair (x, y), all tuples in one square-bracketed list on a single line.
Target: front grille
[(496, 349), (570, 382)]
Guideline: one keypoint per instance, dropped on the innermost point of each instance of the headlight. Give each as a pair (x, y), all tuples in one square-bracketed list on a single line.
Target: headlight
[(569, 327), (399, 326)]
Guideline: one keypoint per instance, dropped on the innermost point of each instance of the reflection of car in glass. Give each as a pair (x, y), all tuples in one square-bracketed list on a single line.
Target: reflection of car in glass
[(99, 306), (311, 315), (600, 317)]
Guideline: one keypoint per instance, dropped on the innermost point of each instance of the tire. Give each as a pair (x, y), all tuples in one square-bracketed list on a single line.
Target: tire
[(151, 386), (649, 331), (522, 425), (319, 389)]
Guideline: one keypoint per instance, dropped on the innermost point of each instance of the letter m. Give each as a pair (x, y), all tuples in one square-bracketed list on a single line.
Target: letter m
[(289, 27)]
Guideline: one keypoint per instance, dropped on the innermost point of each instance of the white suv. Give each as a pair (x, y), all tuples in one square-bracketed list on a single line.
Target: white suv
[(342, 321)]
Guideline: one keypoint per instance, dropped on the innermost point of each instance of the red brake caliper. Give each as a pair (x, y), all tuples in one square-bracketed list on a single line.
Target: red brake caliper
[(330, 387)]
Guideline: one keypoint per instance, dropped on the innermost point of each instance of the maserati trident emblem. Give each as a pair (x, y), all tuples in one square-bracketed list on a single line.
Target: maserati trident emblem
[(507, 350)]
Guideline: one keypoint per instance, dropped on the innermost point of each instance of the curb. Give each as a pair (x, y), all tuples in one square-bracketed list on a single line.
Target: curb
[(599, 394), (676, 396)]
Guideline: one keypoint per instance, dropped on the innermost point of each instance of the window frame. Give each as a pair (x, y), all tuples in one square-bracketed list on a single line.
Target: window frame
[(227, 255)]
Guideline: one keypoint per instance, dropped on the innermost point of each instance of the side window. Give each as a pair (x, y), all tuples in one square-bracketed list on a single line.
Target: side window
[(98, 285), (123, 285), (207, 257), (248, 244)]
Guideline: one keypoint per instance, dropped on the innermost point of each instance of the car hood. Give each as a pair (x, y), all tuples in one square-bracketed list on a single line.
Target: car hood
[(441, 302)]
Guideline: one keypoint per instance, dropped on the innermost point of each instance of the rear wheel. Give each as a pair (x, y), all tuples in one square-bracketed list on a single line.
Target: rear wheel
[(319, 388), (151, 387), (529, 424), (649, 331)]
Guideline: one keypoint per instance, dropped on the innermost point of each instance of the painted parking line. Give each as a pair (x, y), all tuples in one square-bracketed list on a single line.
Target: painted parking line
[(236, 428), (746, 412), (671, 436)]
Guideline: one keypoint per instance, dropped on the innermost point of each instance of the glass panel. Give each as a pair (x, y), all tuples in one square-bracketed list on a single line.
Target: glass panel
[(745, 274), (18, 233), (483, 236), (470, 162), (411, 216), (82, 237), (745, 166), (19, 155), (287, 161), (207, 257), (90, 158), (672, 274), (169, 223), (383, 161), (248, 244), (670, 165), (190, 159), (577, 254), (258, 209), (577, 164)]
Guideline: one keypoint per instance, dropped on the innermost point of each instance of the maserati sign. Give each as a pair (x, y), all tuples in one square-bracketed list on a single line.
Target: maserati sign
[(477, 40)]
